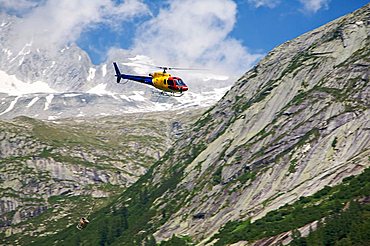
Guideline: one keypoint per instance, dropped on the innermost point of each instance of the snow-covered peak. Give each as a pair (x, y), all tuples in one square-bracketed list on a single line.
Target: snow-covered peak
[(10, 85), (100, 89)]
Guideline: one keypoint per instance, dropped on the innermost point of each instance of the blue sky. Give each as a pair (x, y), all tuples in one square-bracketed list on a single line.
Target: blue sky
[(263, 28), (228, 36), (259, 28)]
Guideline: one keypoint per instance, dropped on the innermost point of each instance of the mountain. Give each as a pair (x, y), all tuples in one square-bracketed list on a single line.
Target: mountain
[(60, 83), (59, 171), (278, 149)]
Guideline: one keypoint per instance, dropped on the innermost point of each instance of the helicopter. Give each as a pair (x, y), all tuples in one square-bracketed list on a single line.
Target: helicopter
[(167, 84)]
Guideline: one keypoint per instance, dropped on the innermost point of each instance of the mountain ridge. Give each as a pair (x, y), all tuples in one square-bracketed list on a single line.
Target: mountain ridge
[(294, 124)]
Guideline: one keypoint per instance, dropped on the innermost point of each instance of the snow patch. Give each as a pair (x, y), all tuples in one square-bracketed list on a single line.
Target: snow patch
[(53, 117), (100, 89), (21, 61), (11, 106), (138, 96), (91, 74), (72, 95), (80, 114), (25, 50), (208, 77), (79, 58), (204, 99), (104, 70), (7, 52), (33, 101), (3, 24), (161, 106), (12, 86), (65, 48), (125, 98), (48, 98)]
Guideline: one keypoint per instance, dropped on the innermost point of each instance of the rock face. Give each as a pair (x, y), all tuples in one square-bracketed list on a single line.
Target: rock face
[(64, 169), (296, 122)]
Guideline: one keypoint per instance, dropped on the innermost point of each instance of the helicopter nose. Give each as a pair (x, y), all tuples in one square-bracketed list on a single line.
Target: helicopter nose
[(184, 88)]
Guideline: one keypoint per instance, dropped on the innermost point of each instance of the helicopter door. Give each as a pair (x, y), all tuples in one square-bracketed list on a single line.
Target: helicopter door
[(170, 84)]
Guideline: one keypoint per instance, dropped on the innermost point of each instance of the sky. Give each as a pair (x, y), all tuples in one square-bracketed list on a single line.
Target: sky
[(228, 36)]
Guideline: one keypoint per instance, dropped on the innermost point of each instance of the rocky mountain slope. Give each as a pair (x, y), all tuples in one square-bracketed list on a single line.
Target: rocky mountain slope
[(294, 124), (56, 172)]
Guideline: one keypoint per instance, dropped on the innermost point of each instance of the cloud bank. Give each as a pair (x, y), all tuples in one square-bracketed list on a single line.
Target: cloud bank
[(187, 33), (309, 6), (59, 22), (19, 6), (194, 33)]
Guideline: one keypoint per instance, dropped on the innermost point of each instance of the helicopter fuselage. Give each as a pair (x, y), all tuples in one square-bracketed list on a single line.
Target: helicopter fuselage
[(160, 80)]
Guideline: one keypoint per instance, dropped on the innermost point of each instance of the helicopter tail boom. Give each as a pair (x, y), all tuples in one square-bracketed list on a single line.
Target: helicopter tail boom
[(141, 79)]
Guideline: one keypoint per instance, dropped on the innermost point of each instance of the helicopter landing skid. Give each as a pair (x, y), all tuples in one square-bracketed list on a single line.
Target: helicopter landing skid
[(167, 94)]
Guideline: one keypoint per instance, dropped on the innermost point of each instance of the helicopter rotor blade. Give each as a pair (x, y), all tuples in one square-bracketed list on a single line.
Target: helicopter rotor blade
[(164, 68), (181, 68)]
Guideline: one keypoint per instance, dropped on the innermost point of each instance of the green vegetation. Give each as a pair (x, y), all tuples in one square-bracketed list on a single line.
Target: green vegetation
[(203, 121), (132, 221), (177, 241), (349, 227), (68, 208), (248, 175), (329, 202), (292, 166), (115, 144), (262, 94), (333, 34), (334, 143), (296, 63), (217, 176)]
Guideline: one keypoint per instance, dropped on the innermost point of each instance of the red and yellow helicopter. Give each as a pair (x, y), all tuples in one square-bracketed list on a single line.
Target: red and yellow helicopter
[(160, 80)]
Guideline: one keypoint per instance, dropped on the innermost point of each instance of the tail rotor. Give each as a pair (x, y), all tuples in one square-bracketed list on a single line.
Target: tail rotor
[(118, 73)]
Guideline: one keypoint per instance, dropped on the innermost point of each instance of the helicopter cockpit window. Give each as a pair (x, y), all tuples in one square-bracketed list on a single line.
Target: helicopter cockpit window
[(180, 82), (170, 82)]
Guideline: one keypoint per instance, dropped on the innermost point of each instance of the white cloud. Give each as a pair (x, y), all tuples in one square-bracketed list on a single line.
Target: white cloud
[(264, 3), (59, 22), (187, 33), (309, 6), (312, 6), (19, 6), (194, 33)]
